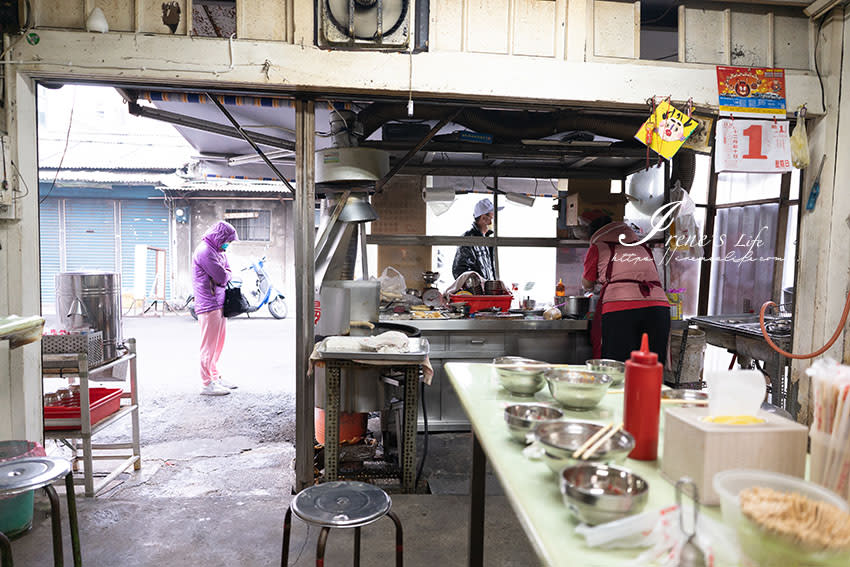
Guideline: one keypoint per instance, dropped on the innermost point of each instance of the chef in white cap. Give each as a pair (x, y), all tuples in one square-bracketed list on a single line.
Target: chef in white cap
[(477, 258)]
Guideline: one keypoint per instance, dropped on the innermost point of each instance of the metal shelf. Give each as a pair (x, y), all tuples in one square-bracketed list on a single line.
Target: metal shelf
[(82, 429), (73, 425)]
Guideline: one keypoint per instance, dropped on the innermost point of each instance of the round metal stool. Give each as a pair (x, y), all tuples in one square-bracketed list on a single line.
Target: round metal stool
[(40, 472), (341, 505)]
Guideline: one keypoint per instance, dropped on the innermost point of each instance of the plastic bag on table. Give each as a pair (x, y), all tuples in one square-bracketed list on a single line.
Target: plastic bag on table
[(392, 283), (800, 144), (658, 532)]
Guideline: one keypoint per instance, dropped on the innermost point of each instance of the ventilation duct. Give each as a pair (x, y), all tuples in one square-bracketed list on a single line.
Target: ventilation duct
[(505, 124), (344, 162)]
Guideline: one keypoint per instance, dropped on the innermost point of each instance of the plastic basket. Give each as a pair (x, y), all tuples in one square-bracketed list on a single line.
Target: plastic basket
[(91, 344), (479, 302), (103, 402)]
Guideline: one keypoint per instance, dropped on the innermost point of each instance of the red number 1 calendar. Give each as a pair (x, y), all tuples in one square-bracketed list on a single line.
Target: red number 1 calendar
[(753, 146)]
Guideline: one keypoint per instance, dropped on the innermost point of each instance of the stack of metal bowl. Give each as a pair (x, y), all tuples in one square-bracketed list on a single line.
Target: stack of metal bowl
[(522, 419), (596, 493), (613, 368), (561, 439), (520, 376), (577, 389)]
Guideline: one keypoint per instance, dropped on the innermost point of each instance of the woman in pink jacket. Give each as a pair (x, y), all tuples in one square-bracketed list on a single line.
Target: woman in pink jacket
[(210, 274), (631, 300)]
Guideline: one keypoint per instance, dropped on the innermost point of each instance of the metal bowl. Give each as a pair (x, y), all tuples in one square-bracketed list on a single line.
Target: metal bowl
[(686, 395), (523, 418), (561, 439), (577, 389), (613, 368), (596, 494), (524, 378)]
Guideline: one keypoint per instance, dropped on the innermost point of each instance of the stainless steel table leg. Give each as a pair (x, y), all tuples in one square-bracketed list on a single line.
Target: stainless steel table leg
[(411, 399), (56, 526), (72, 519), (332, 379), (476, 504), (134, 399), (5, 551), (287, 528)]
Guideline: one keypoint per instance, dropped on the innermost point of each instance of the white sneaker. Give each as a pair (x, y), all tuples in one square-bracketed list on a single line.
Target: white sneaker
[(225, 384), (213, 389)]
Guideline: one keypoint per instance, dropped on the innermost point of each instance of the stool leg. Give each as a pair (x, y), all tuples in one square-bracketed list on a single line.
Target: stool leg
[(56, 524), (5, 551), (72, 519), (357, 547), (399, 539), (287, 526), (320, 547)]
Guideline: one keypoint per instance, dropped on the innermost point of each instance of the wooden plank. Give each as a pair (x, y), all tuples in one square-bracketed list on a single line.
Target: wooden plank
[(710, 216), (781, 235)]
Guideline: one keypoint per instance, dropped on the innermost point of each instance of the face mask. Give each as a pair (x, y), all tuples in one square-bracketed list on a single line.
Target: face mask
[(225, 245)]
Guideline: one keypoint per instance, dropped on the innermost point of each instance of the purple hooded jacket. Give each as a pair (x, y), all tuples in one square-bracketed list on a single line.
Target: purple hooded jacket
[(210, 270)]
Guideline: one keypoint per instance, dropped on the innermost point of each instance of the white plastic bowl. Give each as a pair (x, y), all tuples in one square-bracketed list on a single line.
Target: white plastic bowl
[(765, 549)]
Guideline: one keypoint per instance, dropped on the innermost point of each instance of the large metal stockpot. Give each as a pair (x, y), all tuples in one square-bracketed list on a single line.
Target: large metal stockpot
[(575, 306), (91, 300)]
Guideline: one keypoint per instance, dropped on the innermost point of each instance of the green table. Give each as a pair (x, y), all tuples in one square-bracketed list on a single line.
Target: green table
[(530, 486)]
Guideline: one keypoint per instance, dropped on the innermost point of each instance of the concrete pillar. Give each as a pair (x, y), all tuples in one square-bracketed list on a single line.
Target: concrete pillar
[(20, 369)]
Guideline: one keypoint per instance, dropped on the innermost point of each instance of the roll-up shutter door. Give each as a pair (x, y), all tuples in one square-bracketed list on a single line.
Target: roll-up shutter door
[(48, 217), (143, 222), (90, 235)]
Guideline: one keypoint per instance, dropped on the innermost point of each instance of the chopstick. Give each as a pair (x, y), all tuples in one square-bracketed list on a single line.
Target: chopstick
[(591, 440), (601, 441)]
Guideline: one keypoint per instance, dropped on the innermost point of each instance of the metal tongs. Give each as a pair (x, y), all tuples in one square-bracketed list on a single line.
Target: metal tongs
[(691, 555)]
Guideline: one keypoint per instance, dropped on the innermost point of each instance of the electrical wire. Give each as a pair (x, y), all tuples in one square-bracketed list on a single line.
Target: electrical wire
[(21, 177), (817, 69), (661, 17), (65, 151)]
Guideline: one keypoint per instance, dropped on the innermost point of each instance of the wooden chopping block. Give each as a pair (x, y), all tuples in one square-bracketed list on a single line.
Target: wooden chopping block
[(699, 449)]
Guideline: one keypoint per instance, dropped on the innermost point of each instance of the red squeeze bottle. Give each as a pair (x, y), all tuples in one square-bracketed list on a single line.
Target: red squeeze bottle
[(642, 401)]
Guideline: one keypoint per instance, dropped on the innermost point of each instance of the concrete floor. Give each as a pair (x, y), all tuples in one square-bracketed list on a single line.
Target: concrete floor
[(217, 473)]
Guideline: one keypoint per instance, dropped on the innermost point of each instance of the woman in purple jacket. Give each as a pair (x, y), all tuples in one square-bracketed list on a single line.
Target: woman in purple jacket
[(210, 275)]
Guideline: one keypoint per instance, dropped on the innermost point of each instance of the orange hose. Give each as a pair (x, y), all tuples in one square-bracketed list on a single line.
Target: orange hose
[(818, 352)]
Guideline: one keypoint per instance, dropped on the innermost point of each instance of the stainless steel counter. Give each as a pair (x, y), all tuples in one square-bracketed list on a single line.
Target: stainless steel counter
[(481, 340), (498, 325)]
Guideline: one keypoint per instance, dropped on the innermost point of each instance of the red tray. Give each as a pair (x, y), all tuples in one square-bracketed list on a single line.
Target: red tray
[(103, 402), (479, 302)]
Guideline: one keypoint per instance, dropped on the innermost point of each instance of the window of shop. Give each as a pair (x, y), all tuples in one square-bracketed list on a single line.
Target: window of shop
[(532, 268), (250, 224)]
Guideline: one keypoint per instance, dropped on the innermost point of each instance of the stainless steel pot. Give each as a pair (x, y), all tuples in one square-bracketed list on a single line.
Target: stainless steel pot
[(573, 305), (91, 300)]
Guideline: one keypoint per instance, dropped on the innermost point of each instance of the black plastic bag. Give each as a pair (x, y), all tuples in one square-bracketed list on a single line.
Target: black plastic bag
[(234, 302)]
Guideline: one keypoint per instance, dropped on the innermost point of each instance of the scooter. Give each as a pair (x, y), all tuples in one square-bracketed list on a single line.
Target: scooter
[(262, 293)]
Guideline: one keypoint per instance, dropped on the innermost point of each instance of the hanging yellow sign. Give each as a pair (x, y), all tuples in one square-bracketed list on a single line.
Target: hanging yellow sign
[(666, 130)]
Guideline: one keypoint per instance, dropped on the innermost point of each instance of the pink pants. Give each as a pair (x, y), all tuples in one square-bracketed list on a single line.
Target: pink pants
[(213, 331)]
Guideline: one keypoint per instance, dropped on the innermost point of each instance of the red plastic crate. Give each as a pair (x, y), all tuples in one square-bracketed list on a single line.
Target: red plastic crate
[(103, 402), (479, 302)]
